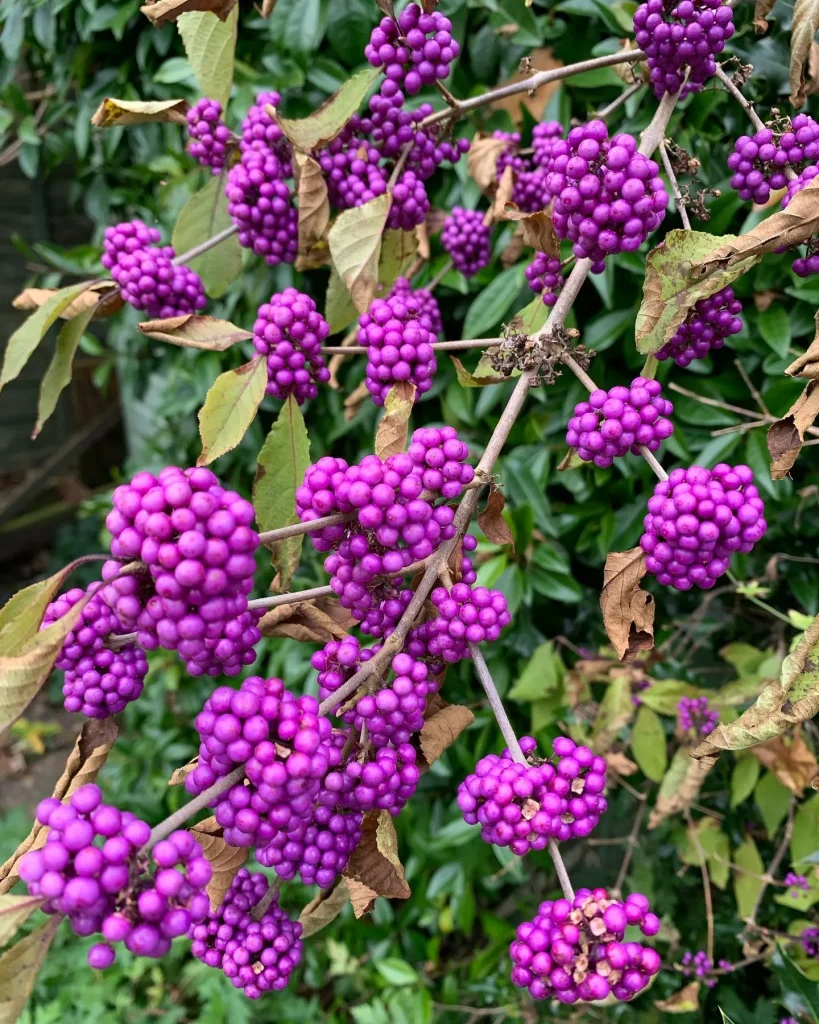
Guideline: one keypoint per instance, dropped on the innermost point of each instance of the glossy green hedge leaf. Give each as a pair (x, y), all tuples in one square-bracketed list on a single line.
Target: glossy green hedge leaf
[(58, 374), (324, 124), (794, 980), (230, 407), (492, 304), (648, 744), (746, 887), (14, 910), (543, 674), (672, 287), (396, 972), (744, 778), (297, 25), (33, 329), (772, 799), (355, 248), (204, 216), (210, 45), (775, 328), (283, 461), (19, 967), (805, 838)]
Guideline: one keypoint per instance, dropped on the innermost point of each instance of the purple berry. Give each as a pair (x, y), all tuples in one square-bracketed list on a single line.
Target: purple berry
[(466, 238), (289, 330)]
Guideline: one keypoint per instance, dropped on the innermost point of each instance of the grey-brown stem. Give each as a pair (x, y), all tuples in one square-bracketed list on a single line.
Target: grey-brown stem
[(178, 818), (206, 246), (682, 210)]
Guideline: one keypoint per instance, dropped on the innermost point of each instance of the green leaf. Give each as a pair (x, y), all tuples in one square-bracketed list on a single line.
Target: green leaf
[(744, 778), (32, 331), (19, 967), (355, 248), (664, 695), (396, 972), (746, 888), (483, 376), (297, 25), (58, 374), (671, 288), (533, 316), (543, 674), (491, 306), (775, 328), (772, 799), (230, 407), (21, 615), (324, 124), (210, 45), (648, 744), (204, 215), (796, 981), (339, 311), (805, 838), (725, 1018), (283, 461)]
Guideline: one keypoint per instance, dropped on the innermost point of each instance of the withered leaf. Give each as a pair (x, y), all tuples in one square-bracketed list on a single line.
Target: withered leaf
[(537, 229), (224, 858), (618, 762), (393, 430), (435, 220), (422, 240), (482, 161), (803, 29), (192, 331), (628, 611), (33, 298), (161, 11), (807, 365), (440, 730), (791, 762), (88, 755), (180, 774), (762, 8), (314, 206), (686, 1000), (785, 437), (374, 869), (268, 7), (19, 967), (308, 621), (514, 249), (113, 112), (491, 520), (680, 786), (616, 711), (14, 910), (503, 195), (323, 908)]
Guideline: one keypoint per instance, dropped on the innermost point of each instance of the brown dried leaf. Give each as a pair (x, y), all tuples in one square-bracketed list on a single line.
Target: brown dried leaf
[(314, 206), (180, 774), (374, 869), (792, 763), (440, 730), (161, 11), (503, 195), (491, 520), (762, 8), (112, 112), (33, 298), (268, 6), (618, 762), (19, 967), (84, 762), (537, 229), (571, 460), (393, 430), (224, 859), (422, 241), (318, 621), (803, 29), (785, 437), (482, 161), (807, 365), (354, 401), (680, 786), (686, 1000), (387, 6), (323, 908), (631, 73), (429, 6), (191, 331), (514, 249), (628, 611)]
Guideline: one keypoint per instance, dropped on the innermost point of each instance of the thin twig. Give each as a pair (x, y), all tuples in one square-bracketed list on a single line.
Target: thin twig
[(706, 882), (399, 165), (178, 818), (760, 401), (298, 597), (263, 905), (445, 269), (203, 247), (438, 346), (624, 97), (675, 187)]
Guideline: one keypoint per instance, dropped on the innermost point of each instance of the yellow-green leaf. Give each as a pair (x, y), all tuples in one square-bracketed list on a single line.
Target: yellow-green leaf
[(672, 287), (355, 248), (14, 910), (391, 436), (772, 799), (398, 250), (282, 463), (322, 126), (33, 329), (542, 675), (481, 378), (23, 673), (532, 317), (58, 374), (686, 1000), (648, 744), (230, 407), (744, 778), (805, 838), (203, 216), (210, 45), (192, 331), (19, 967), (339, 311), (680, 785), (112, 112), (21, 615), (664, 695), (746, 888), (803, 29)]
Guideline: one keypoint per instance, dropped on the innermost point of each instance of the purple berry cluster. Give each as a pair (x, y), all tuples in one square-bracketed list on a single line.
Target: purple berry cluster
[(260, 131), (681, 40), (575, 951), (146, 274), (257, 956), (795, 882), (209, 138), (760, 163), (399, 346), (466, 238), (284, 745), (700, 966), (694, 715), (429, 313), (259, 201), (102, 888), (523, 806), (529, 192), (696, 520), (196, 539), (384, 782), (544, 138), (466, 615), (608, 196), (804, 266), (810, 942), (621, 420), (415, 50), (99, 681), (706, 327), (545, 277), (289, 330)]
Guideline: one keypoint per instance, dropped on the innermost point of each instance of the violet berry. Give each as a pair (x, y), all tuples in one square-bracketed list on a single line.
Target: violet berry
[(707, 326), (545, 277), (466, 615), (466, 238), (209, 138), (289, 330), (694, 715), (399, 347)]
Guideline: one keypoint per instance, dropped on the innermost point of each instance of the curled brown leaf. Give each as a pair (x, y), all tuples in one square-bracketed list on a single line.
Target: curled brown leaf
[(628, 611), (785, 437), (374, 869), (440, 730), (491, 520)]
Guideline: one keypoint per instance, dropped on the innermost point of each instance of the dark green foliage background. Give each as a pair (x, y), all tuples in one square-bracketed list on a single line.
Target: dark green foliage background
[(447, 944)]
